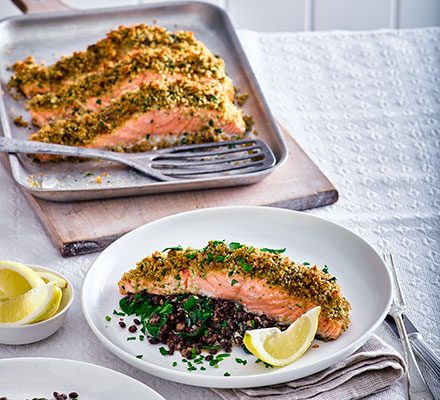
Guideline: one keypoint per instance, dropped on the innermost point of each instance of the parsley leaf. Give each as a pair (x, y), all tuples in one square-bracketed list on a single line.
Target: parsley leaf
[(163, 351), (172, 248), (273, 251), (235, 245)]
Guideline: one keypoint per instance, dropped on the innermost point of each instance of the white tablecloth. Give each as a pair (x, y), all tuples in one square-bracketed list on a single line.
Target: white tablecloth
[(366, 107)]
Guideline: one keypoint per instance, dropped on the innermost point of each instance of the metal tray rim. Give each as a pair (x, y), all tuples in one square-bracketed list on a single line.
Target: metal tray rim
[(49, 193)]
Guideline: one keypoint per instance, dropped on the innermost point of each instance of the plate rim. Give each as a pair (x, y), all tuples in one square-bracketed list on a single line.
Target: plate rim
[(79, 363), (233, 381)]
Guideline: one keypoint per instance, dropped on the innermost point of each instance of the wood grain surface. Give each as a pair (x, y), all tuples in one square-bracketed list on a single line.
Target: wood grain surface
[(89, 226)]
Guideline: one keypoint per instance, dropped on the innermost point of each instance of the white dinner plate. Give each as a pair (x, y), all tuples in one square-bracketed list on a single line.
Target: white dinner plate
[(28, 378), (360, 271)]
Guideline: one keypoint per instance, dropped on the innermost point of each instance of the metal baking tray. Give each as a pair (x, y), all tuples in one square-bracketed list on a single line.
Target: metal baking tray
[(48, 36)]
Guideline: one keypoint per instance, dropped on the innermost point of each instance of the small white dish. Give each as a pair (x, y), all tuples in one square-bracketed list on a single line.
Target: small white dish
[(28, 378), (361, 272), (18, 335)]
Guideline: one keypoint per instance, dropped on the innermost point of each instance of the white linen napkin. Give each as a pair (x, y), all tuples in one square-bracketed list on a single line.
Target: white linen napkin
[(374, 367)]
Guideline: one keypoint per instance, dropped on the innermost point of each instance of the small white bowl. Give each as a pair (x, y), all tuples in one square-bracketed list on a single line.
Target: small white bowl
[(32, 333)]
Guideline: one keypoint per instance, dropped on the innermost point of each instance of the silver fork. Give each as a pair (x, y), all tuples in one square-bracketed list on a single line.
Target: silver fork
[(181, 162), (417, 387)]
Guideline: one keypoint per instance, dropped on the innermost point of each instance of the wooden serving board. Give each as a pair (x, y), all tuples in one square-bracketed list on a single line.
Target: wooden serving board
[(89, 226)]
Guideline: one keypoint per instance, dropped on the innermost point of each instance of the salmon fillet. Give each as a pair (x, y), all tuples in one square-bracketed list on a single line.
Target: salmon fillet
[(99, 89), (160, 111), (31, 78), (262, 280)]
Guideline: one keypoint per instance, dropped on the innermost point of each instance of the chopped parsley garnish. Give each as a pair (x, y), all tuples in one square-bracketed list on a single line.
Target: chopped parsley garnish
[(163, 351), (191, 256), (235, 245), (233, 282), (202, 368), (265, 364), (120, 313), (325, 269), (141, 338), (246, 267), (220, 258), (88, 173), (172, 248), (131, 338), (306, 263), (98, 101), (175, 364), (226, 374), (240, 361), (177, 277), (139, 356), (333, 279), (108, 318), (273, 251)]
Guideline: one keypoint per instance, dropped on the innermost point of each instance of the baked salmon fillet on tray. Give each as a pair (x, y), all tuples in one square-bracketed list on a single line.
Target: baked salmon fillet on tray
[(205, 299), (140, 88)]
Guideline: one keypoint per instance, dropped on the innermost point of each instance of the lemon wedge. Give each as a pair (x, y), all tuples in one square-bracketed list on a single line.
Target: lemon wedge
[(283, 348), (35, 305), (3, 296), (16, 279), (49, 277)]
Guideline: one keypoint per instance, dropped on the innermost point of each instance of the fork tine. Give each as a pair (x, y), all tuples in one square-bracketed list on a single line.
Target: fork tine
[(399, 293), (181, 149), (398, 298), (186, 155), (210, 170), (215, 161)]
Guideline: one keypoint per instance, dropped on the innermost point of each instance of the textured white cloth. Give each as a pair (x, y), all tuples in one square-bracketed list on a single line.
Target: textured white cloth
[(366, 108), (375, 366)]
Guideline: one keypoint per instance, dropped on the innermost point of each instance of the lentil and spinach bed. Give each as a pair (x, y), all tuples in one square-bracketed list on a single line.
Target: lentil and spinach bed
[(189, 324), (205, 299)]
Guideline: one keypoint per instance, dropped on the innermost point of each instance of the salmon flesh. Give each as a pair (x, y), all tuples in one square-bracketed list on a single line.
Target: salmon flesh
[(141, 88), (263, 281)]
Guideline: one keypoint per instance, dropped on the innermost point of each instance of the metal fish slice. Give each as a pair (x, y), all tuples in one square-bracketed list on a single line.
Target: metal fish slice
[(171, 164)]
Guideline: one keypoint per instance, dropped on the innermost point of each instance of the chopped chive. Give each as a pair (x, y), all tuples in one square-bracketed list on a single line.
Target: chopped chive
[(131, 338), (141, 338)]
